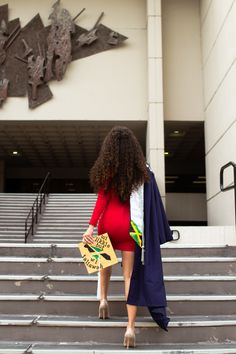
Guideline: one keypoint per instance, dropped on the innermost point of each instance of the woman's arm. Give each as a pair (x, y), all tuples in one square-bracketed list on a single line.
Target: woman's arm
[(99, 208)]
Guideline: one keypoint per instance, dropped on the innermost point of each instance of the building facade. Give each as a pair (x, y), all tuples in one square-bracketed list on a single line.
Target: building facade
[(175, 74)]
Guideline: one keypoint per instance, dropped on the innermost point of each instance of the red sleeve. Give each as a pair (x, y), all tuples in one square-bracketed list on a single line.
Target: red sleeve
[(100, 205)]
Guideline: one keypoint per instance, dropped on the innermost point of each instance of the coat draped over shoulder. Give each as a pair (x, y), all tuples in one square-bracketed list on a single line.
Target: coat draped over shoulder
[(147, 285)]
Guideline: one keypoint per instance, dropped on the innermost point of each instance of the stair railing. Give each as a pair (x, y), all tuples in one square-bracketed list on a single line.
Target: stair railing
[(177, 233), (231, 186), (37, 208)]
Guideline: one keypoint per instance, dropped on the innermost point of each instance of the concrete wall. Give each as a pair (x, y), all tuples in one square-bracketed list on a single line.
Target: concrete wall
[(218, 31), (183, 95), (106, 86), (186, 206)]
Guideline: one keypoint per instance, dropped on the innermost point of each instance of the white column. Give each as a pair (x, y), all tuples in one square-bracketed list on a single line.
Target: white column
[(155, 124), (2, 175)]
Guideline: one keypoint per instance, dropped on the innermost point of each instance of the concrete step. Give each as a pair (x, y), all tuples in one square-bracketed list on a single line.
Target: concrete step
[(9, 217), (192, 329), (83, 211), (72, 194), (59, 211), (75, 232), (87, 305), (13, 222), (68, 206), (12, 233), (79, 201), (87, 284), (16, 200), (61, 227), (51, 219), (64, 215), (74, 265), (47, 225), (19, 194), (11, 198), (65, 240), (69, 238), (11, 228), (12, 240), (70, 250), (72, 202), (8, 210), (78, 348), (46, 235), (60, 232)]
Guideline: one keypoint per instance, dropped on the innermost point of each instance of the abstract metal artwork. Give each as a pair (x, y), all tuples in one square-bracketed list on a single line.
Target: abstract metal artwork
[(32, 56)]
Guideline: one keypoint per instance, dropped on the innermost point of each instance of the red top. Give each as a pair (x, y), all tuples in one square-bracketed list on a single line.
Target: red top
[(113, 217)]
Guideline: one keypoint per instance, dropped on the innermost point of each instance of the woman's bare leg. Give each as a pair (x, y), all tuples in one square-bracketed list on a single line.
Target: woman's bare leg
[(104, 283), (128, 263), (105, 275)]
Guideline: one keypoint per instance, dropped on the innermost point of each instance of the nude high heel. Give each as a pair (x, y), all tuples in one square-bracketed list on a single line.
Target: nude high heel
[(129, 338), (103, 312)]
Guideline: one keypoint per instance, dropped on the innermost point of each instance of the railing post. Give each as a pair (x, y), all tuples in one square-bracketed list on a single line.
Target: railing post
[(26, 230), (235, 196), (37, 207), (32, 220), (41, 203), (224, 189)]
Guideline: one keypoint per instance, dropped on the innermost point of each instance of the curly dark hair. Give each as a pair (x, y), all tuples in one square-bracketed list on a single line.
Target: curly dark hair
[(121, 165)]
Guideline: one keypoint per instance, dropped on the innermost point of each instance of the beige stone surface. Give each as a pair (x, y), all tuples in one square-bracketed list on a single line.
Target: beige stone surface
[(182, 76), (219, 71), (110, 85)]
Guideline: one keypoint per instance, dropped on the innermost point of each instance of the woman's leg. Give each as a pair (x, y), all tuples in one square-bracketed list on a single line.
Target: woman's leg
[(105, 275), (104, 283), (127, 263)]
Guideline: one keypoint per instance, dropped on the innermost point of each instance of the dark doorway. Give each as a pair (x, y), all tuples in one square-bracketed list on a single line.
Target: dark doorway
[(185, 164)]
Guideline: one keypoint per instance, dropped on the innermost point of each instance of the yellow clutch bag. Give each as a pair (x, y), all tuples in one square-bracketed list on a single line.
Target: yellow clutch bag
[(98, 255)]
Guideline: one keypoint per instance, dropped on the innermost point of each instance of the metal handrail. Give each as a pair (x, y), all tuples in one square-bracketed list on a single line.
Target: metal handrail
[(232, 186), (36, 208)]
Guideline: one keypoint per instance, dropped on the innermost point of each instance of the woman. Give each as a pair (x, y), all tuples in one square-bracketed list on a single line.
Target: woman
[(117, 174)]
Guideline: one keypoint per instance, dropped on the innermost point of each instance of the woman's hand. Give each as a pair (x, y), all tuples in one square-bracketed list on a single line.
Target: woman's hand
[(88, 235)]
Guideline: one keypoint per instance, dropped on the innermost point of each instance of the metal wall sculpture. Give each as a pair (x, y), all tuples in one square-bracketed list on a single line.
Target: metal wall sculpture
[(33, 55)]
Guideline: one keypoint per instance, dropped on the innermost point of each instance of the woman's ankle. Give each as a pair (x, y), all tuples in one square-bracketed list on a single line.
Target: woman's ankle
[(131, 326)]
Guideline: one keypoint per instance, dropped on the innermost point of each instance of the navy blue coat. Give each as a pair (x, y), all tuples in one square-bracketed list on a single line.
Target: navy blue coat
[(147, 286)]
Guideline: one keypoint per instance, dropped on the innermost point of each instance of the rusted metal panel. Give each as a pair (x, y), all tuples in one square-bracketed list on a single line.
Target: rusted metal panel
[(103, 42), (32, 56)]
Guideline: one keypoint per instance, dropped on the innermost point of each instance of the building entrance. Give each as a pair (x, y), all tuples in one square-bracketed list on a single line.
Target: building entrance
[(68, 149), (185, 172)]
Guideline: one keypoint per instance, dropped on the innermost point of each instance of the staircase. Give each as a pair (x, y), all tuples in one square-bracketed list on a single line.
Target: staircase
[(65, 218), (48, 303), (14, 208)]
